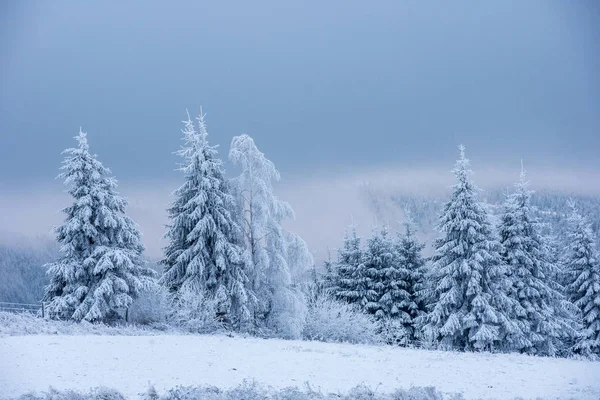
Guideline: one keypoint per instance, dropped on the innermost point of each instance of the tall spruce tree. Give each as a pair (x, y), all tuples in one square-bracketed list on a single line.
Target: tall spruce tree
[(101, 269), (582, 267), (466, 272), (412, 264), (202, 256), (353, 280), (540, 311)]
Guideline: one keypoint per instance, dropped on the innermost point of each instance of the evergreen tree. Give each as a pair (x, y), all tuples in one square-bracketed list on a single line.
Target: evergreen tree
[(279, 305), (351, 271), (202, 256), (387, 293), (554, 246), (412, 263), (583, 270), (466, 272), (101, 269), (540, 312), (331, 280)]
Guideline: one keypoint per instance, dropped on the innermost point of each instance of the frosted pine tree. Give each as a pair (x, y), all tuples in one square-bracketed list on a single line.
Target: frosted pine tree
[(331, 280), (352, 274), (202, 256), (554, 247), (388, 298), (411, 262), (466, 270), (280, 305), (540, 311), (387, 295), (582, 266), (101, 269)]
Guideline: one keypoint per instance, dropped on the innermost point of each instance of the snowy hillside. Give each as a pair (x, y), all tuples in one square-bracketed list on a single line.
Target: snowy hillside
[(129, 363)]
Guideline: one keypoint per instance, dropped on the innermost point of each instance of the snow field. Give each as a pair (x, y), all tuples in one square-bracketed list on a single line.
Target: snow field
[(129, 363)]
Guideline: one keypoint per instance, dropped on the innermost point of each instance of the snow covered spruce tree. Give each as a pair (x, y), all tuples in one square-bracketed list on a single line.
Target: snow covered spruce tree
[(583, 271), (388, 299), (353, 280), (331, 280), (101, 269), (411, 262), (387, 295), (466, 301), (280, 305), (203, 256), (542, 315)]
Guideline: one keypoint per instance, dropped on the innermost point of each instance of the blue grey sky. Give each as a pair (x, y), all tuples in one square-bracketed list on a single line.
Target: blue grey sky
[(334, 92), (321, 86)]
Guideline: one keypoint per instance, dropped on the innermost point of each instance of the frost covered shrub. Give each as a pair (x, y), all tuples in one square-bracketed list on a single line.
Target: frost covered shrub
[(330, 320), (287, 314), (394, 332), (195, 313), (151, 307), (422, 393), (27, 324), (249, 390), (100, 393)]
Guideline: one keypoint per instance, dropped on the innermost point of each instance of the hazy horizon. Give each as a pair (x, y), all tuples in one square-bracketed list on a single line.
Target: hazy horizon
[(324, 205)]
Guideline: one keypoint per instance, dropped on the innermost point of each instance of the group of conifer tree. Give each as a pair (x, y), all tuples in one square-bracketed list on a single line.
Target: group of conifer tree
[(226, 245), (496, 287)]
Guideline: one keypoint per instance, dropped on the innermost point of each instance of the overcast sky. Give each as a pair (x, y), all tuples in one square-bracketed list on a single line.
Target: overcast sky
[(318, 84), (324, 87)]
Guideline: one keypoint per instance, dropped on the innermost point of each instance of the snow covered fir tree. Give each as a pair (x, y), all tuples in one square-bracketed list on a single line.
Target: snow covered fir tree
[(386, 292), (353, 282), (101, 269), (388, 284), (582, 269), (542, 316), (408, 252), (465, 298), (203, 257)]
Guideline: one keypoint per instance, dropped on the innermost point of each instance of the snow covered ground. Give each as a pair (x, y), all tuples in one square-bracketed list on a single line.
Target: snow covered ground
[(128, 363)]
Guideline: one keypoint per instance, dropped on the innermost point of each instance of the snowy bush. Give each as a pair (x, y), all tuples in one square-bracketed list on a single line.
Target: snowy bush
[(393, 331), (195, 313), (26, 324), (151, 307), (247, 391), (100, 393), (329, 320)]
